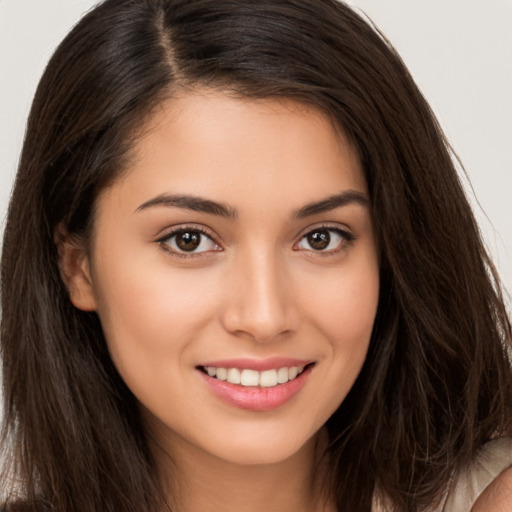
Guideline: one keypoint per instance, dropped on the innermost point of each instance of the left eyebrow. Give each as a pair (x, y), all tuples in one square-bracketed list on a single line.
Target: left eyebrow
[(332, 202)]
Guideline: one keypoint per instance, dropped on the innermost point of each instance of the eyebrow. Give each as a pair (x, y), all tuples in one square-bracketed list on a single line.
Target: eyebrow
[(195, 203), (199, 204), (332, 202)]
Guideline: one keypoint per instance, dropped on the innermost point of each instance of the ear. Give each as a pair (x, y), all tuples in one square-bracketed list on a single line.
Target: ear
[(74, 269)]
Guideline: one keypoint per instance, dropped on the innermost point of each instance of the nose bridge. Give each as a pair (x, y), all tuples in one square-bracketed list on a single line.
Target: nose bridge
[(259, 303)]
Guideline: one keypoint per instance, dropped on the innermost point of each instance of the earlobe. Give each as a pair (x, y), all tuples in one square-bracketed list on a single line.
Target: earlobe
[(75, 269)]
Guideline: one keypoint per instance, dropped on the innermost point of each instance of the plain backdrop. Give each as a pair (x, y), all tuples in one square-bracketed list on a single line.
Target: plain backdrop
[(459, 51)]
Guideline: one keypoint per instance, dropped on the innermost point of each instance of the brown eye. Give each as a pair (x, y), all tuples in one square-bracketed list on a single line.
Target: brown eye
[(192, 241), (188, 240), (325, 240), (319, 240)]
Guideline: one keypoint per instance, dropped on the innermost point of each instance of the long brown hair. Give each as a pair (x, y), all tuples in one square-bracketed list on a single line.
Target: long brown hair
[(437, 381)]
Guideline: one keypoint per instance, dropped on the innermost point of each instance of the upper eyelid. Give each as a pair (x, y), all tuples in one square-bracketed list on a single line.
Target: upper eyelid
[(173, 230), (343, 228)]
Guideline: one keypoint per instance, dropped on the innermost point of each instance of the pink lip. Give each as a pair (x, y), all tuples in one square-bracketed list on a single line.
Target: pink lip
[(254, 398), (257, 364)]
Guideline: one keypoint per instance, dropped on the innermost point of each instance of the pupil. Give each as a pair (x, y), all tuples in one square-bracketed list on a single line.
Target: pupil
[(319, 239), (188, 240)]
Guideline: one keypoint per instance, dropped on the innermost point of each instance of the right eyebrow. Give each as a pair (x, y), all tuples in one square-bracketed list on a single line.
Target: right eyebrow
[(190, 202)]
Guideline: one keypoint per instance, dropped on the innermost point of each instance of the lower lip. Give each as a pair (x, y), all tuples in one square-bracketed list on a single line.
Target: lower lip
[(254, 398)]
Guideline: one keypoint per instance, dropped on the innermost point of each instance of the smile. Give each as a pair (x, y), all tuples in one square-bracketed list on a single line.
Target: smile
[(248, 377), (256, 385)]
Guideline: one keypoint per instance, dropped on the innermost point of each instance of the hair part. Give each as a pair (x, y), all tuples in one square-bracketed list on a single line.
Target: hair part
[(437, 381)]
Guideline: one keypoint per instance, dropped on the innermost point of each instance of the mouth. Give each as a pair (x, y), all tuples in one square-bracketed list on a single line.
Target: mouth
[(248, 377), (263, 387)]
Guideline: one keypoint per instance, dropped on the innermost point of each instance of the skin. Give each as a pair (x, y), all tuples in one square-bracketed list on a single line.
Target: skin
[(497, 496), (255, 288)]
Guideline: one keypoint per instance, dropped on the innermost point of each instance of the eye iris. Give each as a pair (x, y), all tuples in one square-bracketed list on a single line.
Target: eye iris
[(188, 240), (319, 239)]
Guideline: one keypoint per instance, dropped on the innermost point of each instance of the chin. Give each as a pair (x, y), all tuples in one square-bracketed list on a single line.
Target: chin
[(263, 449)]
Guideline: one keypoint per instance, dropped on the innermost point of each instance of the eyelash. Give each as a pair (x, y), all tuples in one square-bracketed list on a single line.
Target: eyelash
[(347, 237), (164, 241), (347, 240)]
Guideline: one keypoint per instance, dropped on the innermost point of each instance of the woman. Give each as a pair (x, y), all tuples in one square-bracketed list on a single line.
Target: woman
[(239, 271)]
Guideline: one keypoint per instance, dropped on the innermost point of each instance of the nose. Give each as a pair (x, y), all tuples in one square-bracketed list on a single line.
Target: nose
[(259, 299)]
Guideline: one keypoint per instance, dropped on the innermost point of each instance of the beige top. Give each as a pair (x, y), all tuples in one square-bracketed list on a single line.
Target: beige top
[(491, 460)]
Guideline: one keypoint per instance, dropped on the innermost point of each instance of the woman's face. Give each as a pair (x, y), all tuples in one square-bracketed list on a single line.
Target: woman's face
[(235, 274)]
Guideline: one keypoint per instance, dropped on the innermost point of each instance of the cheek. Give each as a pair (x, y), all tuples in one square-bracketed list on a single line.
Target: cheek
[(344, 304), (344, 310), (149, 317)]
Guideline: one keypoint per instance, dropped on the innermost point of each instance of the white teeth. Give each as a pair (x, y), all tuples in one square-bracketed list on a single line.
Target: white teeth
[(268, 379), (222, 374), (233, 376), (283, 375), (247, 377), (250, 378)]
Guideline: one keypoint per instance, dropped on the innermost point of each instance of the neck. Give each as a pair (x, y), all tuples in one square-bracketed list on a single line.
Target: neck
[(197, 481)]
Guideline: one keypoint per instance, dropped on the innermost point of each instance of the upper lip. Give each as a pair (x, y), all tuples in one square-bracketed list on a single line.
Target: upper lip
[(257, 364)]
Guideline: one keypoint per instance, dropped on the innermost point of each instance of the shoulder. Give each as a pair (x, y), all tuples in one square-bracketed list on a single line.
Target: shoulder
[(485, 482), (497, 496)]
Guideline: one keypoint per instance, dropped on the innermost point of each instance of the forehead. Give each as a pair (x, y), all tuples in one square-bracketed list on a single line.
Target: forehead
[(240, 151)]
